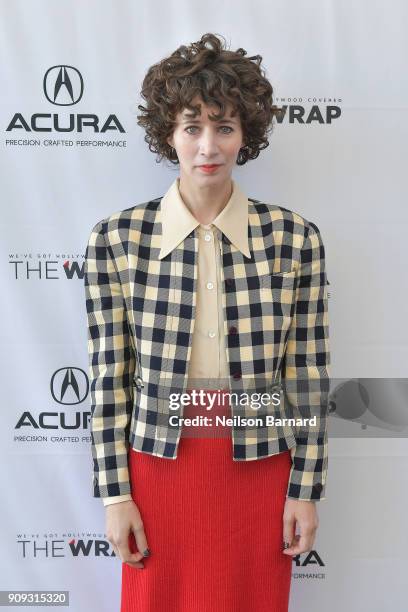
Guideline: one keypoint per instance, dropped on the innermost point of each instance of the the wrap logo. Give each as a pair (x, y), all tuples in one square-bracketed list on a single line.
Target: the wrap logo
[(54, 545)]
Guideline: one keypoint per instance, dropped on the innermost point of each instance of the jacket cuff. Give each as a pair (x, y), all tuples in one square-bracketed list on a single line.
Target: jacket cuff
[(307, 479), (113, 483)]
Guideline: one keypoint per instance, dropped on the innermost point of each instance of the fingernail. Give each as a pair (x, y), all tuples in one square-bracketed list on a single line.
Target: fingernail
[(146, 553), (286, 545)]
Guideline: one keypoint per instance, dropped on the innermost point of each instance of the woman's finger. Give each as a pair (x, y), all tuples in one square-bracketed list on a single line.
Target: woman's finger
[(300, 544), (289, 525), (127, 556), (141, 540)]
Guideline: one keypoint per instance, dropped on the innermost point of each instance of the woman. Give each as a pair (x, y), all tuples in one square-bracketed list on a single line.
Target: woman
[(205, 285)]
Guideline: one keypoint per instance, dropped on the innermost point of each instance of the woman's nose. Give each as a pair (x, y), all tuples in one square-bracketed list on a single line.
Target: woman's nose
[(208, 144)]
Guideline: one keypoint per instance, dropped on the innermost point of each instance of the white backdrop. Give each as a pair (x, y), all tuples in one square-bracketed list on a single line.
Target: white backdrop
[(348, 175)]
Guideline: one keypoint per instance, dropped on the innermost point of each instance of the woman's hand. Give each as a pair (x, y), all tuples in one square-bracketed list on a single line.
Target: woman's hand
[(123, 518), (305, 514)]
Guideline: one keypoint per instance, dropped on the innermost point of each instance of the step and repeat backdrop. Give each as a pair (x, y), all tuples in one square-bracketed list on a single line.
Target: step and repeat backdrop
[(72, 153)]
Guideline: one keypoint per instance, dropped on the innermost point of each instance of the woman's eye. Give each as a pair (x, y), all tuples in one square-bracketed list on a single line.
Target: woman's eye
[(223, 127)]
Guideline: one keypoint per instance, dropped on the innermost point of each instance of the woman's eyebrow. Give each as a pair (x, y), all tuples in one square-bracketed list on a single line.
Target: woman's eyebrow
[(187, 119)]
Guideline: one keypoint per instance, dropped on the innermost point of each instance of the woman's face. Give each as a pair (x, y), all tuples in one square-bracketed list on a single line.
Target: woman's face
[(200, 140)]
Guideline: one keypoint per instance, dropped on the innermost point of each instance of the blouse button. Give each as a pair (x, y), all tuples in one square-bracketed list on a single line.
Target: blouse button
[(207, 237), (210, 285), (237, 375), (229, 281), (211, 334)]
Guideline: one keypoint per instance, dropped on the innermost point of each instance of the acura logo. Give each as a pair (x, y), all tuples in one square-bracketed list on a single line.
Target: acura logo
[(69, 385), (63, 85)]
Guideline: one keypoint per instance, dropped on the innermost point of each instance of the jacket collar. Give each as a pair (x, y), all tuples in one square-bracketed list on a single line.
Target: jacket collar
[(178, 222)]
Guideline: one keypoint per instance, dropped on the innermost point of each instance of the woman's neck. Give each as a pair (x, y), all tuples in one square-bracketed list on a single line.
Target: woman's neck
[(205, 203)]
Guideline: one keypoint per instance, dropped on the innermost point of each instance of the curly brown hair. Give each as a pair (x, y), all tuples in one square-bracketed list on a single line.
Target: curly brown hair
[(218, 76)]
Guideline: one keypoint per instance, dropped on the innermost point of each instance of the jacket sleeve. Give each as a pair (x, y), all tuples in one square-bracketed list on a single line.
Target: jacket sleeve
[(305, 372), (111, 368)]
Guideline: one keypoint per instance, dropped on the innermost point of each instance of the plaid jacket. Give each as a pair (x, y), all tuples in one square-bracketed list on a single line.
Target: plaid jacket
[(140, 312)]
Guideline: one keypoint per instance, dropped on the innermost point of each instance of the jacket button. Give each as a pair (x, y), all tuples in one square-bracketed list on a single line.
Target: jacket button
[(237, 375), (229, 281), (138, 382), (318, 487), (232, 329)]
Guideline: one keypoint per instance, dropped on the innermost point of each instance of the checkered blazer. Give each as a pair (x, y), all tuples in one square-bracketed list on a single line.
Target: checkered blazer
[(140, 314)]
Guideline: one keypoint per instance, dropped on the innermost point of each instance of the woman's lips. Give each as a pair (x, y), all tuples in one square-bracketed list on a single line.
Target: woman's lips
[(210, 168)]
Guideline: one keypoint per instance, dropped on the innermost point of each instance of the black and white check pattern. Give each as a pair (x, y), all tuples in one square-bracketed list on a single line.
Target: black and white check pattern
[(140, 313)]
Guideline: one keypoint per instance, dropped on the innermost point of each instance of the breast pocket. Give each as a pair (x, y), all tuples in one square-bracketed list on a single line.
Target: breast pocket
[(278, 293)]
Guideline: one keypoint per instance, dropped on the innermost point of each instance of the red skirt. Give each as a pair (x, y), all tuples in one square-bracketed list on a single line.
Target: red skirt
[(214, 528)]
